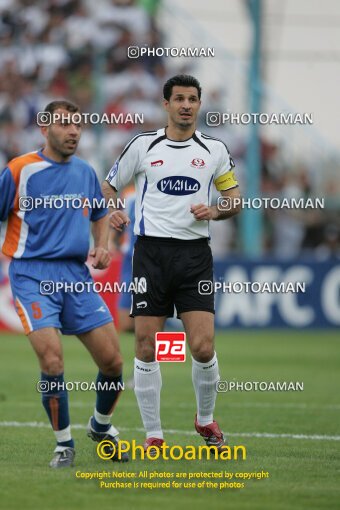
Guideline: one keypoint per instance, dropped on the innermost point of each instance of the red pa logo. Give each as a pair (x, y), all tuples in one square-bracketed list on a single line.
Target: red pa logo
[(170, 346)]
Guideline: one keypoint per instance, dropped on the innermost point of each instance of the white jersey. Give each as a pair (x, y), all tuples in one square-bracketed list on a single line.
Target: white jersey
[(170, 176)]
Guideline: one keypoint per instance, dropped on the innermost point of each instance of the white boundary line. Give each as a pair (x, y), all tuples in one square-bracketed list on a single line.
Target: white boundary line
[(264, 405), (313, 437)]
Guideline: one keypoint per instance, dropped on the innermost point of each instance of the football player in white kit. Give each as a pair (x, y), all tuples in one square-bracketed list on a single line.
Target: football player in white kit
[(174, 169)]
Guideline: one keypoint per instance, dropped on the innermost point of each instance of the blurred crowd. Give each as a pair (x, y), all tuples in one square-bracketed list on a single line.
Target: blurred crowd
[(287, 233), (77, 49)]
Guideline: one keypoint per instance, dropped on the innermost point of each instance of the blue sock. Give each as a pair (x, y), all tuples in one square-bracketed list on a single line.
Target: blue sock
[(55, 402), (106, 399)]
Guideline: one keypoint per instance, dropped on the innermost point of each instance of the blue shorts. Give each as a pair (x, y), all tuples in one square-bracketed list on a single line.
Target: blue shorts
[(126, 276), (39, 307)]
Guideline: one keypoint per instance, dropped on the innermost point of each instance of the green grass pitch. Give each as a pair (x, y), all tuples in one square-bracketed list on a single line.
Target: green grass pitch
[(304, 467)]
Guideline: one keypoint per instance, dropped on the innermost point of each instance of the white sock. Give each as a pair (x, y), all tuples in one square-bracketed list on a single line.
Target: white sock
[(103, 419), (148, 383), (63, 435), (204, 378)]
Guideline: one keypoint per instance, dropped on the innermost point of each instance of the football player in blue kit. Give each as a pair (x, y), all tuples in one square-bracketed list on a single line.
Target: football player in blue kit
[(51, 244)]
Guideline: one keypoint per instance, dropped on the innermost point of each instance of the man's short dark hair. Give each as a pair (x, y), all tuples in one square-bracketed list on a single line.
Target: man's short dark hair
[(62, 103), (181, 80)]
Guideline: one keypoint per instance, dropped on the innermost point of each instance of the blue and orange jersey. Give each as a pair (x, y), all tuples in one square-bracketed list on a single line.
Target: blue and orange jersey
[(48, 232)]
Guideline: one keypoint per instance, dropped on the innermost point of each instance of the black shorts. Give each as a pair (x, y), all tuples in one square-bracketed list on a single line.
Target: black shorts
[(172, 269)]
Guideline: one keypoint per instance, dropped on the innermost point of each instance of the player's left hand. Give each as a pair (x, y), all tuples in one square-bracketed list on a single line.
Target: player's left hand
[(101, 259), (202, 212)]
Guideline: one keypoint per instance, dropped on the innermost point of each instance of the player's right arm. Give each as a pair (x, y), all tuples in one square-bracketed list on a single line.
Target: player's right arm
[(118, 219), (7, 193), (124, 169)]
